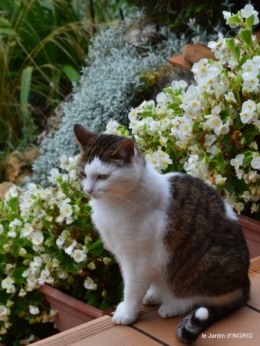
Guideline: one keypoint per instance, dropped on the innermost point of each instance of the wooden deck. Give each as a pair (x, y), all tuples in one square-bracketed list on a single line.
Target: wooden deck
[(242, 328)]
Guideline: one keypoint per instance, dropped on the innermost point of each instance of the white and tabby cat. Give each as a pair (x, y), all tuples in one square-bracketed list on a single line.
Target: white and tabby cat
[(178, 243)]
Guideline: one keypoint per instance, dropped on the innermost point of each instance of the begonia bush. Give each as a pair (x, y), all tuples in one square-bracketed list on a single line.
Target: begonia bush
[(47, 237), (212, 129)]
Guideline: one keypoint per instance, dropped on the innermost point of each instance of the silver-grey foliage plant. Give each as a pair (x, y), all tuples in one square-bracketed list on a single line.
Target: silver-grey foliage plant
[(109, 86)]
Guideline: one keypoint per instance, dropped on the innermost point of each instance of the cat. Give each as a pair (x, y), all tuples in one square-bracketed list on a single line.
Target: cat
[(177, 241)]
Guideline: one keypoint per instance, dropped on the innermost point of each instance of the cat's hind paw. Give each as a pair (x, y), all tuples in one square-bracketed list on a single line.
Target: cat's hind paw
[(167, 311), (151, 299), (123, 315)]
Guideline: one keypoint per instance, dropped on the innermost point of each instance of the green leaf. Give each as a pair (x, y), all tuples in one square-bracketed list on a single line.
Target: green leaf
[(196, 126), (168, 90), (230, 42), (17, 275), (19, 306), (221, 162), (25, 88), (234, 19), (97, 247), (246, 36), (250, 21), (236, 53), (71, 73), (38, 296), (248, 158)]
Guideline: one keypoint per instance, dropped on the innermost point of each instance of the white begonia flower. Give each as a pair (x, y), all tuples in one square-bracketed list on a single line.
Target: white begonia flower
[(248, 10), (176, 85), (107, 260), (185, 130), (229, 97), (246, 196), (223, 129), (60, 242), (31, 282), (7, 282), (213, 45), (192, 162), (1, 228), (199, 69), (237, 161), (78, 256), (37, 262), (215, 123), (165, 160), (209, 139), (220, 180), (34, 310), (90, 284), (37, 238), (15, 223), (250, 81), (54, 175), (163, 141), (70, 248), (239, 206), (255, 163), (12, 192), (4, 312), (153, 159), (250, 67), (26, 230), (12, 234), (136, 125), (189, 113), (194, 105), (161, 98), (132, 115), (10, 289), (61, 274), (66, 210), (254, 208), (165, 123), (227, 16), (22, 293), (22, 252), (63, 159), (240, 173), (73, 174), (154, 126), (253, 176)]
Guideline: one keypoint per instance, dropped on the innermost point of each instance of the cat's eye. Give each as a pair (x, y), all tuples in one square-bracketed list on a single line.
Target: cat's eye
[(82, 174), (103, 176)]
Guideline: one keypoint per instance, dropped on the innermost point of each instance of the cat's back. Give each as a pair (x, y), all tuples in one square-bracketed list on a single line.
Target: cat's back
[(203, 236)]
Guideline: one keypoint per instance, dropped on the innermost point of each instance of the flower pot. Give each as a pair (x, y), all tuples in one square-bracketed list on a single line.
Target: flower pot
[(71, 312), (251, 229)]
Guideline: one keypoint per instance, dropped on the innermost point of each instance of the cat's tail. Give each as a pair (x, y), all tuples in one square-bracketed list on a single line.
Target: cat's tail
[(199, 319)]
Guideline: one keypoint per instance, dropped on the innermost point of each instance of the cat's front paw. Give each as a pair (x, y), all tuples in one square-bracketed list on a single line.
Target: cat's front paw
[(124, 315)]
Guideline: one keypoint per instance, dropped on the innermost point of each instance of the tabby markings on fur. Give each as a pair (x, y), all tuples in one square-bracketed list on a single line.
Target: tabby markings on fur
[(178, 243)]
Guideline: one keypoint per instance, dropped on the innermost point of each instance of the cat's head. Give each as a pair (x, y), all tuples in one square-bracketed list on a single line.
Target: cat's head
[(109, 165)]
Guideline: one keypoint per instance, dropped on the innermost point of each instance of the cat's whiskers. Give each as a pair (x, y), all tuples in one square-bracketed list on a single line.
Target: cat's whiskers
[(125, 201)]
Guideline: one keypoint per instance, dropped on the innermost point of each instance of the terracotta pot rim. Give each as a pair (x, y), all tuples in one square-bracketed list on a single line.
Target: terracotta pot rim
[(73, 302)]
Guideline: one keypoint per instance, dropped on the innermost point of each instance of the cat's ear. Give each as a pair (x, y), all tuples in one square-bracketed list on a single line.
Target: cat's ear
[(82, 135), (125, 151)]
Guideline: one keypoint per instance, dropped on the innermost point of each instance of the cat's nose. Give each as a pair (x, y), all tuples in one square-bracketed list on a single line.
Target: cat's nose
[(88, 191)]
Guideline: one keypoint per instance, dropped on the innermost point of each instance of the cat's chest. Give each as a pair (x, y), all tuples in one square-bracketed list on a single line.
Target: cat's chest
[(127, 227)]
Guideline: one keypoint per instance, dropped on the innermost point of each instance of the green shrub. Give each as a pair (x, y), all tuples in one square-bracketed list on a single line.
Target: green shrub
[(42, 46)]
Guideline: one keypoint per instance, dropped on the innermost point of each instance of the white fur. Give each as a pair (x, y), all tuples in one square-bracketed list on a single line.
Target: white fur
[(202, 314), (229, 212), (130, 212)]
